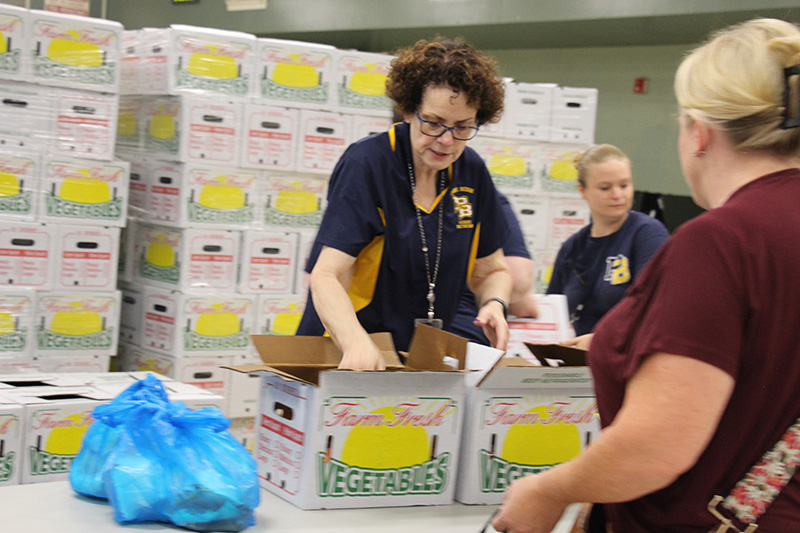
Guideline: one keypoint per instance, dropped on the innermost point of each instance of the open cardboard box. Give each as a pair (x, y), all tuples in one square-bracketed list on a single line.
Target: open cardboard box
[(328, 438), (522, 418)]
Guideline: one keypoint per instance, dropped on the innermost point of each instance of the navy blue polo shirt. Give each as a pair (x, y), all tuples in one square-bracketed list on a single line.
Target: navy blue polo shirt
[(371, 216)]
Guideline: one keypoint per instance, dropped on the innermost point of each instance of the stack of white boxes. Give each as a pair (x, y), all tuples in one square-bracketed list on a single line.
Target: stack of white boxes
[(530, 156), (44, 417), (231, 141), (63, 195)]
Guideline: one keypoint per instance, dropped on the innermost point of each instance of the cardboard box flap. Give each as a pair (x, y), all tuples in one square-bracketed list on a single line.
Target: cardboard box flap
[(429, 347), (557, 354), (553, 358), (308, 350)]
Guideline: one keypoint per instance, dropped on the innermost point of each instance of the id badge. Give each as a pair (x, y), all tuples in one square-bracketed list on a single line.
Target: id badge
[(433, 322)]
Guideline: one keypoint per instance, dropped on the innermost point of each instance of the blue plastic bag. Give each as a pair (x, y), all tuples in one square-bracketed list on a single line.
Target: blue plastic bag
[(86, 473), (169, 463)]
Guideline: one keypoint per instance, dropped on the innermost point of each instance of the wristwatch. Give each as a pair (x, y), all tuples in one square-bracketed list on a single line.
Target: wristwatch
[(502, 302)]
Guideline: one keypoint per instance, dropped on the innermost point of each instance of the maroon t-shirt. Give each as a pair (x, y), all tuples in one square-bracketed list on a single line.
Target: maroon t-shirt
[(724, 289)]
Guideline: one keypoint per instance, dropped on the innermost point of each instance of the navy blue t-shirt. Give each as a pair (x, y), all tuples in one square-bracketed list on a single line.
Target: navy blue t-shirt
[(371, 216), (595, 272), (514, 245)]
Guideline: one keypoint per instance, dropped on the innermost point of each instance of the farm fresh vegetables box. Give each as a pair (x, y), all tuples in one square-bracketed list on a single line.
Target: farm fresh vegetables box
[(329, 438)]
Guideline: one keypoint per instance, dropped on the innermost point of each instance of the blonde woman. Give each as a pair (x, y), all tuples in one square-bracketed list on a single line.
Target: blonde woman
[(597, 264), (697, 369)]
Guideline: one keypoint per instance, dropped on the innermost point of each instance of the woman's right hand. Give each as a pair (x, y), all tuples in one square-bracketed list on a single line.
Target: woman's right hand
[(581, 343), (362, 356)]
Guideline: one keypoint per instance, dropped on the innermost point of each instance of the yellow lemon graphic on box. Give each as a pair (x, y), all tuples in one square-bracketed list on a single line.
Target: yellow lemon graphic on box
[(295, 74), (9, 184), (7, 323), (220, 195), (162, 126), (563, 170), (3, 43), (383, 446), (507, 165), (541, 444), (296, 202), (211, 64), (65, 439), (74, 52), (81, 188), (126, 124), (217, 324), (286, 323), (76, 321), (159, 253), (370, 83)]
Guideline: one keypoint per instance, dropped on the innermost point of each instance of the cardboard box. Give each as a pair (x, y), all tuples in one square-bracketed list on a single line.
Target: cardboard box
[(533, 215), (13, 23), (189, 195), (552, 326), (27, 255), (69, 364), (523, 419), (19, 365), (130, 123), (330, 438), (574, 115), (270, 136), (513, 164), (193, 129), (268, 262), (242, 395), (17, 323), (37, 381), (54, 423), (324, 137), (88, 258), (244, 430), (296, 74), (131, 62), (196, 325), (361, 83), (85, 124), (567, 216), (191, 59), (74, 51), (131, 312), (20, 185), (11, 455), (27, 116), (198, 375), (292, 202), (559, 174), (138, 181), (279, 315), (365, 125), (82, 191), (528, 110), (77, 323), (195, 259)]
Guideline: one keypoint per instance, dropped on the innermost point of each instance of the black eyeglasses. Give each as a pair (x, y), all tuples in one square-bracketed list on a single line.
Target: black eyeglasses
[(437, 129)]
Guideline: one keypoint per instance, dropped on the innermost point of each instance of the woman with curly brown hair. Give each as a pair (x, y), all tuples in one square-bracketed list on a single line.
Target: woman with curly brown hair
[(413, 217)]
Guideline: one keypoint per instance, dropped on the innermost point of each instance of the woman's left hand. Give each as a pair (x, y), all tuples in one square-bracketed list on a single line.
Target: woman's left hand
[(527, 508), (491, 319)]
